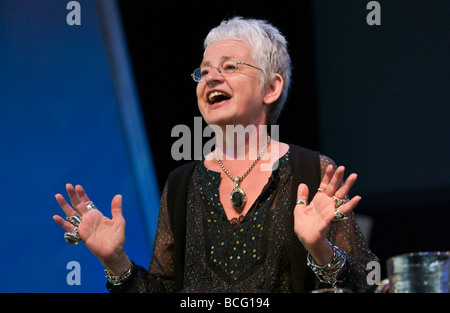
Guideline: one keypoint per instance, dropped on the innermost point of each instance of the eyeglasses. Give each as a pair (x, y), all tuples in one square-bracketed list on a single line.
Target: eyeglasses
[(226, 68)]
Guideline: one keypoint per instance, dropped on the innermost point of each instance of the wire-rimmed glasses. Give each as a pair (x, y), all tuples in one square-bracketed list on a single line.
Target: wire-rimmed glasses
[(226, 68)]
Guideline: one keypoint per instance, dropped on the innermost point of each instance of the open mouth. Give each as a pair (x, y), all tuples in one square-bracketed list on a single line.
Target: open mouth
[(217, 96)]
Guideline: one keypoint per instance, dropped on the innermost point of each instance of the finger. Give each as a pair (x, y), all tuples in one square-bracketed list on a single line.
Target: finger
[(77, 203), (82, 194), (349, 206), (64, 205), (63, 223), (327, 177), (345, 188), (116, 207), (335, 182), (302, 193)]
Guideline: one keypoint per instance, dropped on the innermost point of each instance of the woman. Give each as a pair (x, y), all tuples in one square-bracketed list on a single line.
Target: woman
[(227, 223)]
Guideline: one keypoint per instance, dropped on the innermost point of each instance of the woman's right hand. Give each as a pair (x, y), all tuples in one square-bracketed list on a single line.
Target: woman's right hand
[(104, 237)]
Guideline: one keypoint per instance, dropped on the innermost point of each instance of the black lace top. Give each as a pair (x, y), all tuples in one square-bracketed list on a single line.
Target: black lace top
[(249, 254)]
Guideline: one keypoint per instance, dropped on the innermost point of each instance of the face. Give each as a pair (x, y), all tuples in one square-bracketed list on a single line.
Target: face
[(235, 99)]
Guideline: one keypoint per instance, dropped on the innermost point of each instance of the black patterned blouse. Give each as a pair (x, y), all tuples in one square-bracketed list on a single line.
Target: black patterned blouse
[(249, 254)]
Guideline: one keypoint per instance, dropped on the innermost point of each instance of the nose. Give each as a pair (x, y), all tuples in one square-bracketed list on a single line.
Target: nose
[(213, 76)]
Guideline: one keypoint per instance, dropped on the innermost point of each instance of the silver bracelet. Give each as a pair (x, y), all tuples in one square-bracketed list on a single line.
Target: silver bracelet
[(329, 272), (117, 280)]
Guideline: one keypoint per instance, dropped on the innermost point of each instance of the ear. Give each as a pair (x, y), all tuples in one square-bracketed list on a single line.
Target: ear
[(273, 89)]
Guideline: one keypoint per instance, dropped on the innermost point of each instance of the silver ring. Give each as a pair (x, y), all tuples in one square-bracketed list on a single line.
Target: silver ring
[(339, 202), (339, 216), (75, 220), (302, 202), (91, 206), (72, 238), (320, 190)]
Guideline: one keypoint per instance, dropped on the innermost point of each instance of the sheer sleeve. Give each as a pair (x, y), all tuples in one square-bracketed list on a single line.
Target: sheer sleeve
[(348, 237), (160, 275)]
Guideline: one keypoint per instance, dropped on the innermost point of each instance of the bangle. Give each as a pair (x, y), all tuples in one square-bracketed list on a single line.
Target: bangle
[(328, 273), (117, 280)]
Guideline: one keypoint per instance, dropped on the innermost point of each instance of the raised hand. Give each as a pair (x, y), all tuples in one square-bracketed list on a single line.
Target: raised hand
[(312, 221), (103, 236)]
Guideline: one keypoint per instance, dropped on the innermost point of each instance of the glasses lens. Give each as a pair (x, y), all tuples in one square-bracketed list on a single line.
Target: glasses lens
[(226, 68), (197, 75), (229, 67)]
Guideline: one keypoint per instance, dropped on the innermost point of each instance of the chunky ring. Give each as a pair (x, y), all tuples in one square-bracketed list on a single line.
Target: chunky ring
[(301, 202), (320, 190), (339, 216), (340, 202), (91, 206), (75, 220), (72, 238)]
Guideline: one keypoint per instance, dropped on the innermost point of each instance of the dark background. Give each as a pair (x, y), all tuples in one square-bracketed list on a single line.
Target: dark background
[(373, 98)]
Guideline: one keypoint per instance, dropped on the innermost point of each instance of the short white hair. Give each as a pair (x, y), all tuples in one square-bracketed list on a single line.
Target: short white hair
[(269, 51)]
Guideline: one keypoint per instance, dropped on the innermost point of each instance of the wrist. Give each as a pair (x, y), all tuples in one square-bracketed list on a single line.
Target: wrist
[(321, 251), (329, 273), (122, 277), (118, 264)]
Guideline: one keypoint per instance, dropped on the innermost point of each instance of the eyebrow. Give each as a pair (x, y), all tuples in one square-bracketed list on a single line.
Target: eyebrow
[(222, 59)]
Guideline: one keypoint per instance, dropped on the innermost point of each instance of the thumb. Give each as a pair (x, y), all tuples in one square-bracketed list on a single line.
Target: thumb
[(302, 192), (116, 206)]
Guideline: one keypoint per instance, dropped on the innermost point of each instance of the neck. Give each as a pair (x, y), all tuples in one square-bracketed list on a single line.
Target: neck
[(241, 143)]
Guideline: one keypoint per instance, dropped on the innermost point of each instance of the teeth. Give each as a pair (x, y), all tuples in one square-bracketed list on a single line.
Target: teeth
[(215, 94)]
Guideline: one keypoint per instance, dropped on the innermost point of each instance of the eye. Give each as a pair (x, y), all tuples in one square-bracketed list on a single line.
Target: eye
[(229, 67), (204, 71)]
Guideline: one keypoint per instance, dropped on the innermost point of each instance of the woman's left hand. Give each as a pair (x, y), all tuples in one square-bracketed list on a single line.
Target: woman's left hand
[(311, 222)]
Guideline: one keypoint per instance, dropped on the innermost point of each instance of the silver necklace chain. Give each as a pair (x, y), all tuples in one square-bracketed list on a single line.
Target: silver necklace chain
[(238, 179)]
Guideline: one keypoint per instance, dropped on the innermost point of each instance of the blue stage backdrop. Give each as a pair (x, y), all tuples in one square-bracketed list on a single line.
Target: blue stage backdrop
[(69, 113)]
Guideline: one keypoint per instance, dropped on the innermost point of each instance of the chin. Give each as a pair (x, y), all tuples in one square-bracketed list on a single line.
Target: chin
[(218, 116), (220, 121)]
